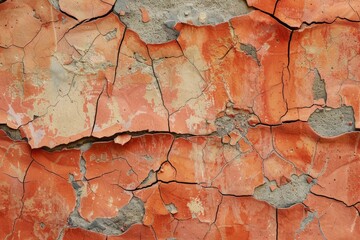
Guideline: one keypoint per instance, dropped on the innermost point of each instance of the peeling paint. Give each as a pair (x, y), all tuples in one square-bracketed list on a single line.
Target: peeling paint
[(164, 120)]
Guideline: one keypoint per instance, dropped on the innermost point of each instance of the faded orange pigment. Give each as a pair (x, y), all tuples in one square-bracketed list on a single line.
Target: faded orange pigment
[(243, 129)]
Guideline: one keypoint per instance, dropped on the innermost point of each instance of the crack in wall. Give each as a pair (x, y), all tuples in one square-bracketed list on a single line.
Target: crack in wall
[(187, 207)]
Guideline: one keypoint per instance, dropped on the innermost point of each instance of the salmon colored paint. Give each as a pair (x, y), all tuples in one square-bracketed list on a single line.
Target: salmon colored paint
[(243, 127)]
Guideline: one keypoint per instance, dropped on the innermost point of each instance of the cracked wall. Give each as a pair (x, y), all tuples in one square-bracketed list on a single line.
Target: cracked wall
[(179, 120)]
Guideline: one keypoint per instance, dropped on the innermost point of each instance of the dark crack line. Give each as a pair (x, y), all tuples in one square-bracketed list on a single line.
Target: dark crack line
[(96, 110), (22, 201), (289, 75), (182, 51), (101, 16), (101, 175), (329, 23), (49, 171), (275, 6), (68, 14), (227, 52), (354, 9), (36, 117), (192, 99), (157, 182), (277, 19), (118, 54), (358, 210), (235, 195), (91, 139), (334, 199), (159, 88), (216, 216), (153, 231), (83, 21), (303, 23)]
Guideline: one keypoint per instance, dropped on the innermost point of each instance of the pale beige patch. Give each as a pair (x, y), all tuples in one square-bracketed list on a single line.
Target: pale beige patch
[(195, 206)]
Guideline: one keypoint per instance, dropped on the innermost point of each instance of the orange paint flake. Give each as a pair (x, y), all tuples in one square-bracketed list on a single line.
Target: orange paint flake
[(199, 135)]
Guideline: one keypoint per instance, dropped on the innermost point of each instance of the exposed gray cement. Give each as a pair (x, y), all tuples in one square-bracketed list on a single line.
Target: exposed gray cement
[(82, 166), (149, 180), (226, 123), (332, 122), (55, 3), (251, 51), (319, 90), (130, 214), (164, 14), (171, 208), (307, 220), (287, 195)]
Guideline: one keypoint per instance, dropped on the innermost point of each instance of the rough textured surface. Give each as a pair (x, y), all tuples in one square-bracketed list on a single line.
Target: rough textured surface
[(287, 195), (179, 120), (130, 214), (332, 122), (163, 15)]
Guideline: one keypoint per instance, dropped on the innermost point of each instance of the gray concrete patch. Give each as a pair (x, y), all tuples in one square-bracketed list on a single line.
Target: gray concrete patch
[(129, 215), (319, 90), (55, 4), (164, 14), (149, 180), (251, 51), (287, 195), (171, 208), (332, 122), (82, 166), (242, 121), (226, 124), (307, 220)]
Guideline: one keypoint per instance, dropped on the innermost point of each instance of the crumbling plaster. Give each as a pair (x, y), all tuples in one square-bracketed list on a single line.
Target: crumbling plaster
[(185, 119)]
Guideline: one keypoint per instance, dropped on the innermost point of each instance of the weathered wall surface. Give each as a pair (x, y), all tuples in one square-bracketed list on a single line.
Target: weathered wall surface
[(179, 119)]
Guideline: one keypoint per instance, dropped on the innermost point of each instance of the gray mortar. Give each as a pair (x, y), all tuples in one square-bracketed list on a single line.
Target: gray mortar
[(164, 14), (82, 166), (241, 121), (171, 208), (332, 122), (149, 179), (251, 51), (85, 146), (306, 221), (287, 195), (130, 214), (226, 124), (319, 90), (55, 4)]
